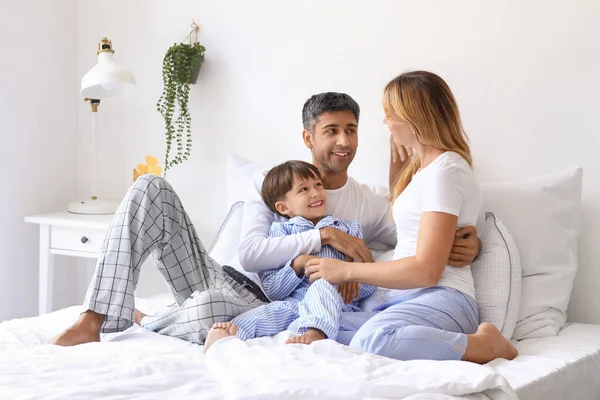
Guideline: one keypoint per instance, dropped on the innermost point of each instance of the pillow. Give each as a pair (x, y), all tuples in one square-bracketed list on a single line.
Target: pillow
[(543, 216), (224, 249), (239, 175), (497, 276)]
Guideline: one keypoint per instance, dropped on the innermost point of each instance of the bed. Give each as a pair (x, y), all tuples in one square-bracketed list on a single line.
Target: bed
[(141, 364), (523, 284)]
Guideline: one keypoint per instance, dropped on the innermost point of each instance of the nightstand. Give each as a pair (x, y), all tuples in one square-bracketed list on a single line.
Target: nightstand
[(67, 234)]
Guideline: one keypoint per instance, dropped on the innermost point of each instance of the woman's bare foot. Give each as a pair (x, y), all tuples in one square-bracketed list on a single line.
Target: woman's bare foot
[(139, 316), (85, 330), (311, 335), (488, 344), (219, 331)]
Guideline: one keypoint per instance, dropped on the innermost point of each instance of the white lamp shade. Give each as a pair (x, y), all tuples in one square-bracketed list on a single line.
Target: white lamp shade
[(107, 79)]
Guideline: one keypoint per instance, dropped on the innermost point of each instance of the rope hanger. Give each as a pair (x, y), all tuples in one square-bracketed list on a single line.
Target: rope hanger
[(195, 29)]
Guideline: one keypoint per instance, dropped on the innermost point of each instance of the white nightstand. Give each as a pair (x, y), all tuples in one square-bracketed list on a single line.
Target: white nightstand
[(69, 235)]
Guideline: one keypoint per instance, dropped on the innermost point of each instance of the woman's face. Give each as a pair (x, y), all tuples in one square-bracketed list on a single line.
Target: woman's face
[(401, 131)]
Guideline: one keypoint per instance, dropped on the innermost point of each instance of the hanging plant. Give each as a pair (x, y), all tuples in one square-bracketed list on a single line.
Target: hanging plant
[(180, 69)]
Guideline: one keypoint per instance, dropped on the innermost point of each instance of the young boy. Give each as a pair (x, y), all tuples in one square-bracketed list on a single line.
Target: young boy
[(294, 189)]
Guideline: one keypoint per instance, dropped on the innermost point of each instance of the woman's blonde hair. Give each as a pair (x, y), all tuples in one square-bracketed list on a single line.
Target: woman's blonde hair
[(424, 101)]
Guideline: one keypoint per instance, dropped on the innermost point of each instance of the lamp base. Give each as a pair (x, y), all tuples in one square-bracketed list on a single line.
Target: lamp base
[(93, 207)]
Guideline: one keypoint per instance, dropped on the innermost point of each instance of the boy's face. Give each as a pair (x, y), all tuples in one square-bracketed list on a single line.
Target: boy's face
[(307, 199)]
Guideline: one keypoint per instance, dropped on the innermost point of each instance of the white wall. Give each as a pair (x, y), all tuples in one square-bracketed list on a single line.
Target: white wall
[(525, 74), (38, 143)]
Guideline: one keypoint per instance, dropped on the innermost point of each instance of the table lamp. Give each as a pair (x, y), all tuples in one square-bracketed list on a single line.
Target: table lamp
[(105, 80)]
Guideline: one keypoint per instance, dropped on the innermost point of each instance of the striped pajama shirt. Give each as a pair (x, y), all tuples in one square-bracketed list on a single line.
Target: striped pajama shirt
[(151, 221), (294, 299)]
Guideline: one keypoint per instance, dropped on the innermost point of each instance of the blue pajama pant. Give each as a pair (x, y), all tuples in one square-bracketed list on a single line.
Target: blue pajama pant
[(321, 308), (430, 324)]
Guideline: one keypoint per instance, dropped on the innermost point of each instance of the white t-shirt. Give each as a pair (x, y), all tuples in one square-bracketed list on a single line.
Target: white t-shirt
[(446, 185), (353, 201)]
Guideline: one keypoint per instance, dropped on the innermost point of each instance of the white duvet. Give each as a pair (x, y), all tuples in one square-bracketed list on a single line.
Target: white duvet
[(145, 365)]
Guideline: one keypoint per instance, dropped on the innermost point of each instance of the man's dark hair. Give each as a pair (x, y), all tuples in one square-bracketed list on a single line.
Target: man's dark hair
[(279, 181), (327, 102)]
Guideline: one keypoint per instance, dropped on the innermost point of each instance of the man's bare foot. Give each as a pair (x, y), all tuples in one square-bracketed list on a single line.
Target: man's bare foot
[(219, 331), (85, 330), (311, 335), (138, 316), (488, 344)]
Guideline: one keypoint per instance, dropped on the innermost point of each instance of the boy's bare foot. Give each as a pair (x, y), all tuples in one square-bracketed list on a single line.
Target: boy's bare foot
[(85, 330), (219, 331), (311, 335), (488, 344), (138, 316)]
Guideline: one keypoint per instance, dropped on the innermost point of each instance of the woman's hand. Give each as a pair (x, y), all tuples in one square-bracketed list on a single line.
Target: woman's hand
[(332, 270), (399, 152)]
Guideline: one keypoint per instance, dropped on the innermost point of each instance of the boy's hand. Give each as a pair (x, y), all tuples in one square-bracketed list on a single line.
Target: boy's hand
[(350, 291), (299, 263)]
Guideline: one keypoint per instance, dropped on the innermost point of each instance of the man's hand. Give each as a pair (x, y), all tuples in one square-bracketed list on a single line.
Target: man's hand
[(350, 291), (299, 263), (349, 245), (466, 247)]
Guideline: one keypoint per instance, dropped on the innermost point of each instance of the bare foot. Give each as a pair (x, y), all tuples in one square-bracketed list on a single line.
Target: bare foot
[(138, 316), (488, 344), (85, 330), (311, 335), (219, 331)]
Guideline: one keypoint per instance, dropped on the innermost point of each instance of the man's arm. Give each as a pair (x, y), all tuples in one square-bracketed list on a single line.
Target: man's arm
[(466, 247), (260, 252)]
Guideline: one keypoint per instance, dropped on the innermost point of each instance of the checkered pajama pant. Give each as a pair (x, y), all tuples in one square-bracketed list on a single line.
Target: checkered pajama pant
[(152, 222)]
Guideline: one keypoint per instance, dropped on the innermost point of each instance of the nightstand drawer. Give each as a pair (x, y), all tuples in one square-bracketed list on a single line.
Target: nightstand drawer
[(77, 239)]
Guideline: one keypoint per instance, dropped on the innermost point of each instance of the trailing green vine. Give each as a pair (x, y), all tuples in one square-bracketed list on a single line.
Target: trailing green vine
[(178, 64)]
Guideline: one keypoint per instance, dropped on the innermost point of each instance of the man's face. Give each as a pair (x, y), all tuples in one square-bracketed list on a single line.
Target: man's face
[(334, 141)]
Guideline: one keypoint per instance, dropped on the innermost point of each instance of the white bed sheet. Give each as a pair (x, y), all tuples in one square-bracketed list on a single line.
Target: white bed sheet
[(154, 366), (566, 366), (138, 364)]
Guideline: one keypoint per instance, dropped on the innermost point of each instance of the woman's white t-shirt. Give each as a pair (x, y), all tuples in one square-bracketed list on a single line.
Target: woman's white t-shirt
[(446, 185)]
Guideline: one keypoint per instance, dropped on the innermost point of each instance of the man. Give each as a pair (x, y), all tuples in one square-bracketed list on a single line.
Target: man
[(152, 221)]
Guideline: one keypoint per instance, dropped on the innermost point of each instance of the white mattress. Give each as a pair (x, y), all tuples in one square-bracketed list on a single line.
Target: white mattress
[(566, 366), (141, 364)]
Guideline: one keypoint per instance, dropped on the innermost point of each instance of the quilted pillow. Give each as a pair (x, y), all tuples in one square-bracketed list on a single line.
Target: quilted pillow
[(497, 276)]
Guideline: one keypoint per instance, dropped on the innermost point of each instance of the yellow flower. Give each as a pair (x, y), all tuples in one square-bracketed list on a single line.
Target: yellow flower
[(151, 167)]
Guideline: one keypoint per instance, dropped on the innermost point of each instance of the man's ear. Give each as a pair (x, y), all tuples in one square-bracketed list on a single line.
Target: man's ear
[(282, 208), (308, 138)]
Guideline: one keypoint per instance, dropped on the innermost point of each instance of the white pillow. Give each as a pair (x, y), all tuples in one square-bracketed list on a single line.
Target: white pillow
[(239, 176), (497, 276), (224, 249), (543, 216)]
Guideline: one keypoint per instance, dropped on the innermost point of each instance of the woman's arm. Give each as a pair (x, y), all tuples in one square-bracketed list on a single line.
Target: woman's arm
[(436, 235), (400, 156)]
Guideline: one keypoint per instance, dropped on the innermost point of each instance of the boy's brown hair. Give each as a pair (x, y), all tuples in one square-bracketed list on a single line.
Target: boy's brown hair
[(279, 180)]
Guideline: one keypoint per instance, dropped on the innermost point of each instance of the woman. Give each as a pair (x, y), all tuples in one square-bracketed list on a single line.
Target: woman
[(431, 312)]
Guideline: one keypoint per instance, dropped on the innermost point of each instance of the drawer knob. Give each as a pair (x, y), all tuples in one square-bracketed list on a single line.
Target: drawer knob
[(84, 240)]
